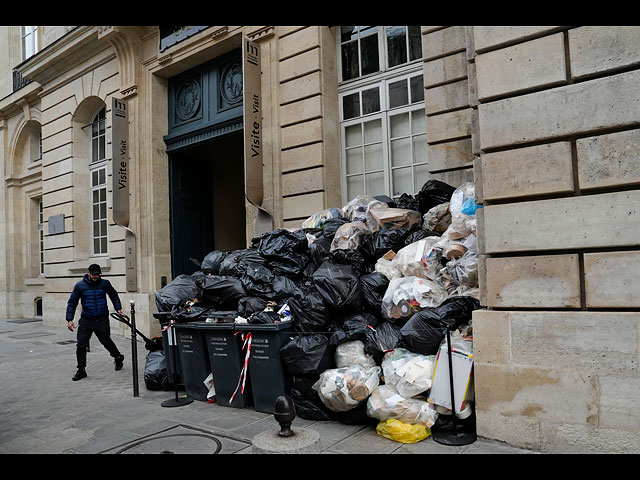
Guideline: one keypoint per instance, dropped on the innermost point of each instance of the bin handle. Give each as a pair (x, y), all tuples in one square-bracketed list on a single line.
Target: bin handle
[(246, 338)]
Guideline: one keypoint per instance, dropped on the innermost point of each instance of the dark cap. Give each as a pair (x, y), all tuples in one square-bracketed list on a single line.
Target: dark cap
[(94, 269)]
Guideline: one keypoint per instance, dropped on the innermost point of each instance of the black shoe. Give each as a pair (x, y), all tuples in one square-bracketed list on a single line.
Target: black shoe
[(80, 374), (119, 361)]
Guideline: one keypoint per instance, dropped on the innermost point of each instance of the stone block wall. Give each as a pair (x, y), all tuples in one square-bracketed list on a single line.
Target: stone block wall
[(553, 120), (307, 104)]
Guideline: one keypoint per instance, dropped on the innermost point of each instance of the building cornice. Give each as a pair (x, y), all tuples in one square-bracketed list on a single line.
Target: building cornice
[(68, 51)]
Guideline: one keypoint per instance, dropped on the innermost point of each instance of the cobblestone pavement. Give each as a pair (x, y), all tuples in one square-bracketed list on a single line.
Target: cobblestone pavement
[(44, 411)]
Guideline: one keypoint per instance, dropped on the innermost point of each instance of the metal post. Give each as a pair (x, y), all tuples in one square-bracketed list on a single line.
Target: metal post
[(173, 343), (134, 350), (455, 437)]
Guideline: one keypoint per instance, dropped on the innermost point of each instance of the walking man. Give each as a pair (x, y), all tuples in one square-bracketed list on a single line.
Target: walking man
[(92, 291)]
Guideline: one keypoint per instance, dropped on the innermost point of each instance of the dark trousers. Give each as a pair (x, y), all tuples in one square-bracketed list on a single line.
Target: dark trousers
[(87, 327)]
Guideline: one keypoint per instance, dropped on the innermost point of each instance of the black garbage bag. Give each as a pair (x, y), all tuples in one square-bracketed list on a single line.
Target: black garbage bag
[(235, 263), (386, 337), (354, 327), (408, 202), (308, 355), (319, 249), (309, 408), (419, 235), (309, 312), (221, 291), (444, 423), (265, 316), (374, 286), (432, 193), (425, 330), (338, 285), (250, 305), (286, 252), (213, 260), (180, 289), (283, 288), (190, 312), (355, 416), (332, 225), (156, 376), (257, 280), (381, 241), (348, 256)]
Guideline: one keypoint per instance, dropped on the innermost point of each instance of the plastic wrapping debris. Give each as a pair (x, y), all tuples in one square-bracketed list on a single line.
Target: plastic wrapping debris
[(437, 218), (339, 286), (409, 261), (406, 295), (358, 210), (308, 355), (342, 389), (426, 329), (402, 432), (350, 235), (352, 353), (319, 219), (389, 218), (386, 402), (410, 373), (387, 267), (463, 200), (464, 270), (180, 289)]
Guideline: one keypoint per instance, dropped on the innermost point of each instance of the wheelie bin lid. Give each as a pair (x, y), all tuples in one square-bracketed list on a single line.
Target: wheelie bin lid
[(265, 326)]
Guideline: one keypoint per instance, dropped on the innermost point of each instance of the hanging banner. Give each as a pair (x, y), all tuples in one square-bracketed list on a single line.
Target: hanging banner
[(121, 178), (120, 161), (252, 125)]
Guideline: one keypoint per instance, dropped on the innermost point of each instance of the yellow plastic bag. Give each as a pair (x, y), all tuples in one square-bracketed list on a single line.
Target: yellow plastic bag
[(402, 432)]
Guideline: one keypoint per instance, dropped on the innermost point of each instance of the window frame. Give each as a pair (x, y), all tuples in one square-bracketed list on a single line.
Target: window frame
[(97, 168), (382, 81), (30, 35), (40, 237)]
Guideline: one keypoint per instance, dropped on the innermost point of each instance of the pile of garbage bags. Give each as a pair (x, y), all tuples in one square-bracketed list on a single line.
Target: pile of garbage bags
[(370, 288)]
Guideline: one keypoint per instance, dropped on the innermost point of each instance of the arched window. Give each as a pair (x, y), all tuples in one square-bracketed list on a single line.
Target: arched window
[(38, 307), (98, 176)]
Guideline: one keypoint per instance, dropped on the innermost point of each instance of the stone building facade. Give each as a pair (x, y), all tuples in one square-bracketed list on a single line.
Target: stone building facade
[(544, 120)]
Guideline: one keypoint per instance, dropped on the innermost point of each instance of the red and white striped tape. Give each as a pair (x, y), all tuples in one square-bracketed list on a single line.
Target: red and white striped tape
[(246, 338)]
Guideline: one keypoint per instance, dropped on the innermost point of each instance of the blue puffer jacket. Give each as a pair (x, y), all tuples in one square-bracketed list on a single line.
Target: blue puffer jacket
[(93, 297)]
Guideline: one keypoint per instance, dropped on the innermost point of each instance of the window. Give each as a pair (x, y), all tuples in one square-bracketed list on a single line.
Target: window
[(382, 116), (98, 175), (40, 237), (29, 40)]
